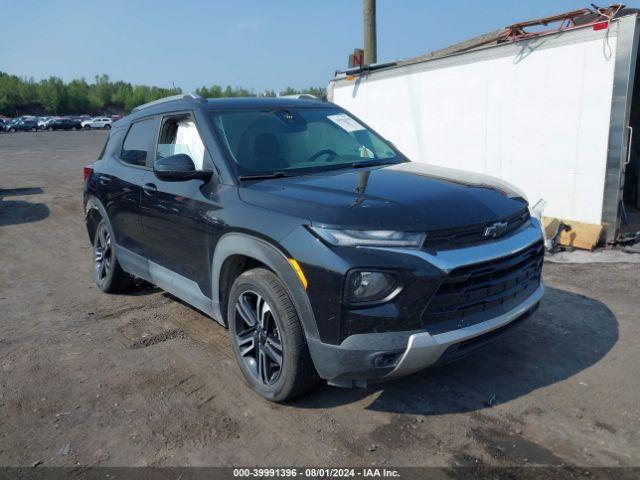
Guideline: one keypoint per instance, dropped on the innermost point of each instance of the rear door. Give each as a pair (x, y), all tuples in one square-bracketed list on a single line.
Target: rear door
[(122, 184), (176, 216)]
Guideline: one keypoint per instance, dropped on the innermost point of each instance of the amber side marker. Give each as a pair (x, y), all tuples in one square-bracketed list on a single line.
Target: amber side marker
[(296, 267)]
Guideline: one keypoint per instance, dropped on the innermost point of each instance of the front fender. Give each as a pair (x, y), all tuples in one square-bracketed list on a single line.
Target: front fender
[(243, 244)]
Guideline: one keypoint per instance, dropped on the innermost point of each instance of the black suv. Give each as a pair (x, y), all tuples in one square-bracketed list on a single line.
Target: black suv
[(320, 246), (22, 126), (64, 124)]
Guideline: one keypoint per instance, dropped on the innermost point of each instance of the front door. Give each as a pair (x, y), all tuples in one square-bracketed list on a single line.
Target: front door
[(179, 218)]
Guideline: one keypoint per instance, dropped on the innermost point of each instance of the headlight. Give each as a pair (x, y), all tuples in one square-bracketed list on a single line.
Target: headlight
[(369, 238), (366, 286)]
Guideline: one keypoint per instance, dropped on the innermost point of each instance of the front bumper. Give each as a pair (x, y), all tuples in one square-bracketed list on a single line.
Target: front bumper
[(367, 356), (424, 349), (355, 361)]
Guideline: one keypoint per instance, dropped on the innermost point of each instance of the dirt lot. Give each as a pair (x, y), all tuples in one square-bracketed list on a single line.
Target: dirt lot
[(562, 389)]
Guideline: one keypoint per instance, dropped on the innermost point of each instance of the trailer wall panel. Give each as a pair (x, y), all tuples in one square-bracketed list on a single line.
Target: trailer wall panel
[(535, 114)]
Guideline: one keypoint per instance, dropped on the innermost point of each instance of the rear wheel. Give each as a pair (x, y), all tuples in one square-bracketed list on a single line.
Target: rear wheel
[(107, 126), (87, 127), (107, 273), (73, 128), (267, 337), (50, 129)]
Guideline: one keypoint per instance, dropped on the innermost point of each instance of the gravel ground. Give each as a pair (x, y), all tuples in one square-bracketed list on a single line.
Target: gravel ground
[(78, 387)]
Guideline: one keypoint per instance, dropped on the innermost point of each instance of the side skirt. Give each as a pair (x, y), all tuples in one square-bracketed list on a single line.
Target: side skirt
[(168, 280)]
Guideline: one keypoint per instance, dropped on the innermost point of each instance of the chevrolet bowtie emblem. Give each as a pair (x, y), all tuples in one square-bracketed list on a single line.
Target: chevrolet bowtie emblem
[(496, 230)]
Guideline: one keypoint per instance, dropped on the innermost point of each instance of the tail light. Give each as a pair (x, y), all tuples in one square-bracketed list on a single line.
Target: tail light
[(86, 172)]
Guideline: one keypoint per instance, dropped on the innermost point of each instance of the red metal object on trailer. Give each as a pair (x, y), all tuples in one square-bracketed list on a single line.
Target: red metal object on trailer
[(597, 16)]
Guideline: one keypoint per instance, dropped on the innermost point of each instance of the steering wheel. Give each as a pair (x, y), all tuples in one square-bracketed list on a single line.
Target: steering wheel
[(326, 151)]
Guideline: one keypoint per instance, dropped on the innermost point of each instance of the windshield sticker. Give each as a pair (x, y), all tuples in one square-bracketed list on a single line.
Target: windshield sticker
[(345, 122)]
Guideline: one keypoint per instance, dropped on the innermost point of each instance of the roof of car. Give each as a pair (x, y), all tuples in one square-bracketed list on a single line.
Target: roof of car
[(190, 101), (262, 102)]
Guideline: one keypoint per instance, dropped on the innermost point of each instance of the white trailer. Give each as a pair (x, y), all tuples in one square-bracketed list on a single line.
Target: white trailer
[(551, 114)]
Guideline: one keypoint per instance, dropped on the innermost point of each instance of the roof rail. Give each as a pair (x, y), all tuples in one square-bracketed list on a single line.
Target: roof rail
[(182, 96)]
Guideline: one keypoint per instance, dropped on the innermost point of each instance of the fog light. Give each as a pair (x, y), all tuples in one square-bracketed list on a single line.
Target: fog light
[(365, 286)]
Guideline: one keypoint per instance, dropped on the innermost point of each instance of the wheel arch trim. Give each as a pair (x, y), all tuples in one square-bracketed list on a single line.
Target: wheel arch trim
[(93, 203), (236, 243)]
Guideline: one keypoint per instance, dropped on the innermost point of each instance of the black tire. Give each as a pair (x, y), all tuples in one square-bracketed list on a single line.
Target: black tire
[(87, 127), (107, 272), (73, 128), (12, 130), (50, 129), (107, 127), (296, 374)]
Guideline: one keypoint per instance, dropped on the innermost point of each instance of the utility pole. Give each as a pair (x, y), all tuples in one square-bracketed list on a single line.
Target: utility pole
[(370, 42)]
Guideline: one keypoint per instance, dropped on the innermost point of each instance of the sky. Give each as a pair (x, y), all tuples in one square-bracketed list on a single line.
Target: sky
[(257, 44)]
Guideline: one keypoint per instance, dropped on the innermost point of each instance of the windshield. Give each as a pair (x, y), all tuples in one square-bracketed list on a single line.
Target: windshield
[(298, 140)]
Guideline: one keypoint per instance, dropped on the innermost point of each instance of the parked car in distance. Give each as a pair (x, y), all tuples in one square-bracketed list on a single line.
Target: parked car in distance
[(16, 120), (97, 122), (325, 251), (42, 121), (30, 125), (8, 124), (48, 121), (64, 124)]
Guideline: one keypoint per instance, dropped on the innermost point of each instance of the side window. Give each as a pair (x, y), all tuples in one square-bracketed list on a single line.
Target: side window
[(137, 142), (179, 134)]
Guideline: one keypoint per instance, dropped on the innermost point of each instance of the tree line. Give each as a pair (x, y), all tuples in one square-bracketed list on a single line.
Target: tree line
[(53, 96)]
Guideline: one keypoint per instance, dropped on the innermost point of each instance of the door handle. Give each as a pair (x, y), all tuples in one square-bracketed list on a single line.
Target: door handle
[(149, 188)]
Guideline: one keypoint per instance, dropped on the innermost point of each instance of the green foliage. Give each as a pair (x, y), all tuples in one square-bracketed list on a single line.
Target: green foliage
[(20, 96)]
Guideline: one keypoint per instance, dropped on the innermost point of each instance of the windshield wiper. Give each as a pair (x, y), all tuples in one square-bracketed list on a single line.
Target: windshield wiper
[(263, 175), (363, 164)]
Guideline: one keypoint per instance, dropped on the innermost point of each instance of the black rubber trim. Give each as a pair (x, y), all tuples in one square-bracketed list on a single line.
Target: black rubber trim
[(236, 243)]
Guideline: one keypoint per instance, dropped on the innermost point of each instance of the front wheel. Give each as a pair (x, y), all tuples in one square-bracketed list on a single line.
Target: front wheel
[(267, 337), (73, 128), (107, 272), (50, 129), (87, 127), (107, 127)]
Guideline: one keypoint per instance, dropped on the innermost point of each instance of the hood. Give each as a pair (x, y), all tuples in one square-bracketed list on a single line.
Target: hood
[(408, 196)]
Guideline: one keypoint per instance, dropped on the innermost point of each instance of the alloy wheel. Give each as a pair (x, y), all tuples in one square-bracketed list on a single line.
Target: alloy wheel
[(102, 259), (258, 338)]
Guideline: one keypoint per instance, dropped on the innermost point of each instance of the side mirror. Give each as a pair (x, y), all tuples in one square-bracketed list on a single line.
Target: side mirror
[(179, 168)]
